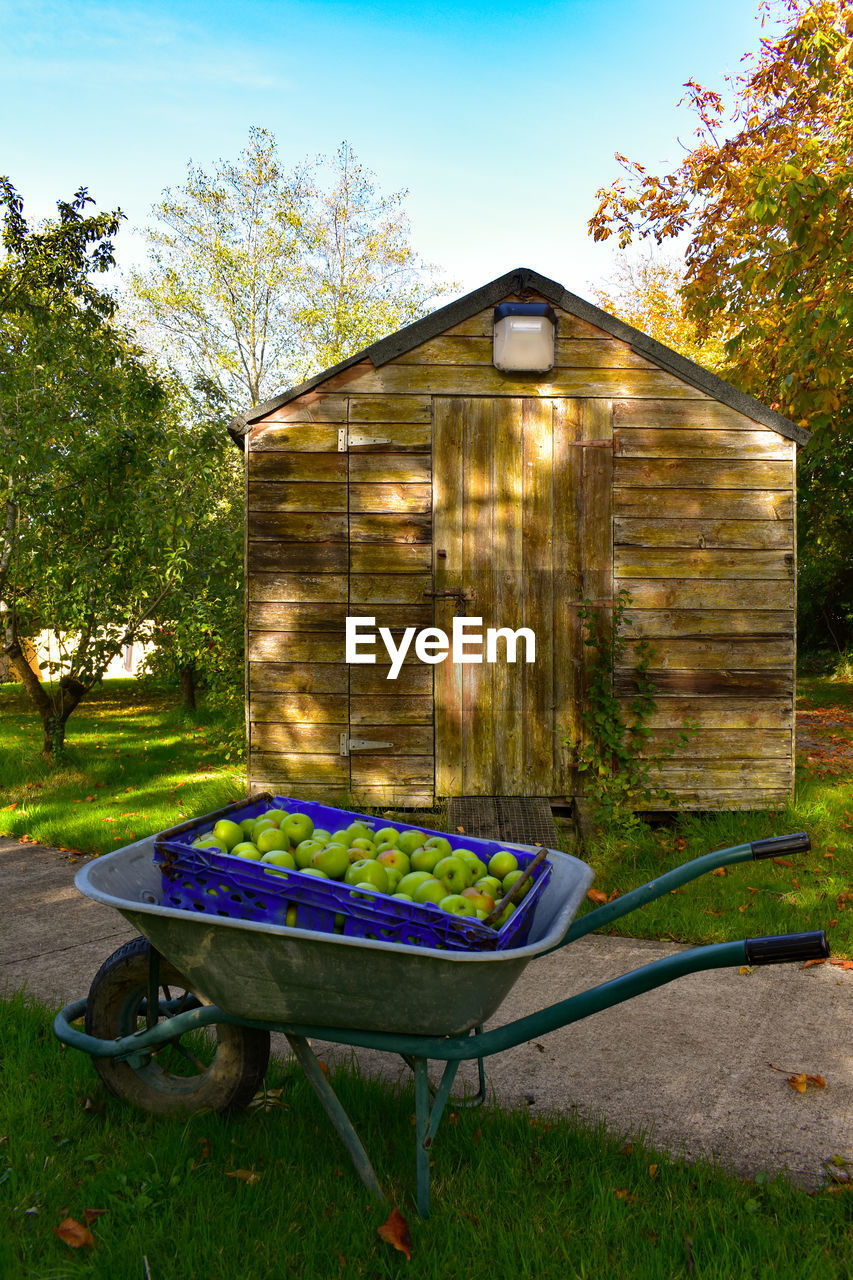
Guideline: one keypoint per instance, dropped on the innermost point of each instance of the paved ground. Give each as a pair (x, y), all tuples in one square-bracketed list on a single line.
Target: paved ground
[(687, 1064)]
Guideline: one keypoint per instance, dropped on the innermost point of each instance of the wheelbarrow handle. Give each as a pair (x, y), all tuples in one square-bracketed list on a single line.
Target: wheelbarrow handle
[(797, 842), (782, 948)]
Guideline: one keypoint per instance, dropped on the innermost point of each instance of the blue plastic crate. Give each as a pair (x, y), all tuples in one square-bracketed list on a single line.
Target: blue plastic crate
[(217, 883)]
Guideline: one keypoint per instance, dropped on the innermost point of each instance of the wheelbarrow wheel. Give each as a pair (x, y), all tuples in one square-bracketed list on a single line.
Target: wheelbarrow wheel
[(219, 1068)]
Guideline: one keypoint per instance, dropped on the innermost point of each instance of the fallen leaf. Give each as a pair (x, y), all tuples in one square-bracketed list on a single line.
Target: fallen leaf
[(720, 871), (249, 1176), (622, 1193), (395, 1229), (653, 1171), (91, 1214), (802, 1081), (614, 894), (74, 1234), (809, 963), (745, 969), (842, 964), (596, 895)]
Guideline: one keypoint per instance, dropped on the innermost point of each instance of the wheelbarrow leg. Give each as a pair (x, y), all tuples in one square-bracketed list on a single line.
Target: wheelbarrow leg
[(427, 1121), (479, 1097), (337, 1115)]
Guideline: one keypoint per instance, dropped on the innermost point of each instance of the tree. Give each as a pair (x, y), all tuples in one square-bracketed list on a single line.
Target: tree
[(765, 203), (93, 534), (258, 277)]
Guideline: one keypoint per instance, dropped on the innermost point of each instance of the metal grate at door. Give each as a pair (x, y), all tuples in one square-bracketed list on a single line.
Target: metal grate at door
[(515, 819)]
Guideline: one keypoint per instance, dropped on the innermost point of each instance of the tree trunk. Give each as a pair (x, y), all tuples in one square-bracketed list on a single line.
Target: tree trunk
[(53, 718), (187, 677)]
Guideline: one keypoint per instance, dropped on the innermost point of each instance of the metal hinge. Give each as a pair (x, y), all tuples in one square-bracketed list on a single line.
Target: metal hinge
[(349, 744), (357, 439)]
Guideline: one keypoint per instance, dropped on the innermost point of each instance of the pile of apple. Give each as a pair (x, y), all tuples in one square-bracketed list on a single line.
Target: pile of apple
[(407, 865)]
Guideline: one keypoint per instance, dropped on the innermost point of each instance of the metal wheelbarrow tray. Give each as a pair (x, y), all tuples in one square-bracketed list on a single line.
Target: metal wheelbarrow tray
[(245, 979)]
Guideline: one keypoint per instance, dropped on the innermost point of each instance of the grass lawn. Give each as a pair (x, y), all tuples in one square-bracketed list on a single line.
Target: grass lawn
[(270, 1193)]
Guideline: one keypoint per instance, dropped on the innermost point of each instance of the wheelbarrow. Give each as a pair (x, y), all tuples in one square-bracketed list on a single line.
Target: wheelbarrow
[(243, 979)]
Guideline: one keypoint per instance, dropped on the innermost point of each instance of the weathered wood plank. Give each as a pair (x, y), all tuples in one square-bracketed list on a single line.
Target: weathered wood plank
[(569, 667), (300, 616), (307, 708), (715, 684), (391, 709), (753, 714), (671, 442), (568, 326), (390, 468), (369, 438), (325, 468), (746, 534), (300, 587), (471, 380), (683, 414), (414, 679), (390, 497), (726, 775), (297, 557), (398, 772), (654, 562), (720, 745), (448, 431), (509, 722), (309, 437), (296, 496), (406, 740), (298, 677), (297, 526), (400, 798), (398, 557), (529, 698), (391, 528), (702, 593), (295, 646), (296, 737), (654, 623), (338, 794), (704, 504), (388, 588), (401, 408), (572, 353), (478, 717), (697, 653), (314, 406), (701, 473), (322, 770)]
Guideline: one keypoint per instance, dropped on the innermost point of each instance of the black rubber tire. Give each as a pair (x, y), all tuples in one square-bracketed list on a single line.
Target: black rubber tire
[(226, 1078)]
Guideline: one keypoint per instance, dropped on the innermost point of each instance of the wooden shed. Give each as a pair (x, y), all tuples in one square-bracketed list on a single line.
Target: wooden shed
[(416, 482)]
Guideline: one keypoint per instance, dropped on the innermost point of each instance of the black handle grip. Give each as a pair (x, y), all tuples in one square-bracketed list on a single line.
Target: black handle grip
[(784, 948), (799, 842)]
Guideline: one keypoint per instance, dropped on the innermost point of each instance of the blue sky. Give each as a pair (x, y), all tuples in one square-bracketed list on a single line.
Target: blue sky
[(500, 119)]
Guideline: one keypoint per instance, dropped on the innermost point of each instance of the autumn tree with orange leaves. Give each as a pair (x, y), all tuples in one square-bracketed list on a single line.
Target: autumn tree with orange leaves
[(764, 201)]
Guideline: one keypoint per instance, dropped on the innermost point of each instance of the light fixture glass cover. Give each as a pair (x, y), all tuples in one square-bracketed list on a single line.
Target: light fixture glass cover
[(525, 334)]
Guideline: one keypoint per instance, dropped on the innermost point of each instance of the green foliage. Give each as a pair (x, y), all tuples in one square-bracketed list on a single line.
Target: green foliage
[(614, 756)]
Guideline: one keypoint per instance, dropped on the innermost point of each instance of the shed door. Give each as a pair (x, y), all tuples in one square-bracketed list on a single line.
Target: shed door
[(522, 531)]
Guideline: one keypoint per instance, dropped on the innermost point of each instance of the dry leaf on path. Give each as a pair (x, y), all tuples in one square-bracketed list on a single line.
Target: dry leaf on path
[(395, 1229), (74, 1234)]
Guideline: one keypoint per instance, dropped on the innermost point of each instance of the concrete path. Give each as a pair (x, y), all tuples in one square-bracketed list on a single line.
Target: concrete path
[(688, 1065)]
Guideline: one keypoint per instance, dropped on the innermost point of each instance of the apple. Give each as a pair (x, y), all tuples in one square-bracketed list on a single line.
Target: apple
[(393, 857), (382, 845), (367, 847), (321, 835), (207, 842), (304, 852), (297, 827), (360, 831), (424, 859), (276, 816), (479, 900), (263, 824), (410, 840), (457, 905), (342, 836), (246, 825), (279, 858), (505, 915), (439, 842), (332, 859), (270, 839), (431, 890), (339, 923), (227, 833), (314, 871), (512, 877), (501, 863), (404, 897), (453, 874), (368, 870), (411, 882), (490, 885), (246, 850), (394, 877), (290, 916), (387, 835), (478, 867)]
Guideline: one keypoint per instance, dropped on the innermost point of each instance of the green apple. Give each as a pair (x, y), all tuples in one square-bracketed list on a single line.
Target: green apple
[(501, 863), (512, 877), (342, 836), (478, 867), (246, 825), (360, 831), (207, 842), (394, 878), (404, 897), (228, 834), (320, 834), (297, 827), (395, 858), (245, 849), (276, 816), (367, 847), (314, 871), (490, 885), (332, 859), (387, 835), (439, 842), (368, 870), (279, 858), (410, 840), (411, 882), (270, 839), (453, 874), (479, 899), (457, 905), (304, 852), (290, 915), (505, 915), (431, 890), (425, 859), (382, 845)]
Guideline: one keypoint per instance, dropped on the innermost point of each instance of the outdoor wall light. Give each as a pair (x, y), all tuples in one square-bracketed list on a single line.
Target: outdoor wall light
[(525, 334)]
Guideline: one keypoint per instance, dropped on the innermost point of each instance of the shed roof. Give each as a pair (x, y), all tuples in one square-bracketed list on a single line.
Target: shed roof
[(518, 282)]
